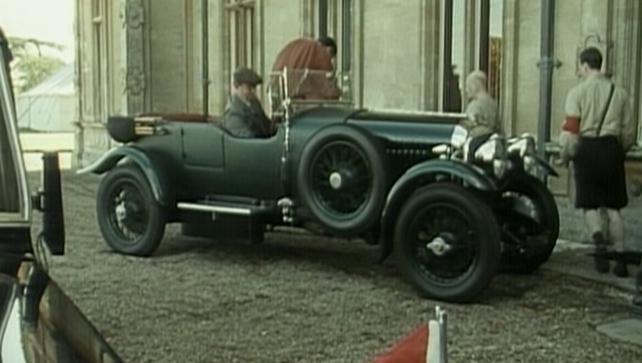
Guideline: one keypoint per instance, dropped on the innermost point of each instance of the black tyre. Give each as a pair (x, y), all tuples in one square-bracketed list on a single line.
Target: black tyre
[(342, 179), (447, 241), (130, 219), (530, 224)]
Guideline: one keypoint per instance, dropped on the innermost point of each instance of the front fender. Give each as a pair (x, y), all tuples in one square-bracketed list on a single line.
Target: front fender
[(422, 174), (546, 166), (148, 164)]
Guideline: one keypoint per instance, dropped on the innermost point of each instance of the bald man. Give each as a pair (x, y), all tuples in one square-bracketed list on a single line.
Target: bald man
[(482, 115)]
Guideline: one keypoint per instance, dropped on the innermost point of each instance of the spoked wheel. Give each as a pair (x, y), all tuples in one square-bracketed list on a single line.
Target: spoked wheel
[(448, 242), (342, 179), (530, 224), (129, 217)]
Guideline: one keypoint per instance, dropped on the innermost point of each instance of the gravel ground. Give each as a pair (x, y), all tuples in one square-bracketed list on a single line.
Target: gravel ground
[(573, 227), (298, 298)]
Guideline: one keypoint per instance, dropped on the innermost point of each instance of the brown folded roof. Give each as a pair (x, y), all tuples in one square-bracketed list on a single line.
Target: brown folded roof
[(303, 53)]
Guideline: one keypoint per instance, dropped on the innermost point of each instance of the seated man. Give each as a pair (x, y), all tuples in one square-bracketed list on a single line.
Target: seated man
[(482, 111), (244, 116), (314, 56)]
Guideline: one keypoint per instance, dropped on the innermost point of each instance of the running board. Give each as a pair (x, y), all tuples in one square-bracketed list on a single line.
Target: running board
[(225, 208), (215, 209)]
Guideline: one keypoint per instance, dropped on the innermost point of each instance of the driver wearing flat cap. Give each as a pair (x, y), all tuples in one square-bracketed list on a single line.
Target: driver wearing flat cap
[(244, 115)]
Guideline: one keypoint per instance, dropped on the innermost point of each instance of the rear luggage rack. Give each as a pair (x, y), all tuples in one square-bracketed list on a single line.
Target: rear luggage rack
[(146, 125), (125, 129)]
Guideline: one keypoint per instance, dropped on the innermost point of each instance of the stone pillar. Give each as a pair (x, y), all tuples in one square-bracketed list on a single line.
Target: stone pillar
[(510, 53), (358, 52), (175, 56), (217, 57), (100, 76), (400, 54), (626, 54), (137, 62), (431, 56), (471, 37), (307, 12)]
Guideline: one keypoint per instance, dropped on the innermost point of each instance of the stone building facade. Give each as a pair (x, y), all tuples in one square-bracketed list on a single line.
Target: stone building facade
[(148, 55)]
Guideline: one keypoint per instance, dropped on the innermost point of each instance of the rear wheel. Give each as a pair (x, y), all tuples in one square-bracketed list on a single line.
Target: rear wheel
[(342, 179), (130, 219), (447, 241)]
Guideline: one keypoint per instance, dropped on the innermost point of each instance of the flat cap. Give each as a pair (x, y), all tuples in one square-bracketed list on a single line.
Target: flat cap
[(244, 75)]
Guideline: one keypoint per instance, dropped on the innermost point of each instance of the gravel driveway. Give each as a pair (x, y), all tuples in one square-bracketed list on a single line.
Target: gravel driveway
[(298, 298)]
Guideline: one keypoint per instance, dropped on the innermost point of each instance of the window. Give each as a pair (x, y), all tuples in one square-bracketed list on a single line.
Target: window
[(98, 49), (495, 45), (241, 23), (472, 33)]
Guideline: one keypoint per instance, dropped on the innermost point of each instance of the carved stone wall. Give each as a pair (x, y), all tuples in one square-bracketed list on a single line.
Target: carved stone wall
[(146, 55), (613, 26)]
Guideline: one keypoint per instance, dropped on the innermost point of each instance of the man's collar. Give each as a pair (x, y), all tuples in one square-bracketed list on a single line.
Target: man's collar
[(238, 99), (594, 75)]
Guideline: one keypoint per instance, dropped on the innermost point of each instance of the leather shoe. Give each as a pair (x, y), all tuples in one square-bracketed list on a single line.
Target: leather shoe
[(620, 269), (602, 264)]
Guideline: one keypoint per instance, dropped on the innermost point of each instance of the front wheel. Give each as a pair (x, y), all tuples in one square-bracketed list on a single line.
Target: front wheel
[(530, 224), (130, 219), (447, 240)]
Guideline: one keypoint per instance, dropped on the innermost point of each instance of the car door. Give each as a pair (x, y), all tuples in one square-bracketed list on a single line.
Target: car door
[(202, 145), (253, 166)]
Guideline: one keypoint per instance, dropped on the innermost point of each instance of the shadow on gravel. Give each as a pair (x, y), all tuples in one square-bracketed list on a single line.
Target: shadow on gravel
[(512, 287), (351, 257)]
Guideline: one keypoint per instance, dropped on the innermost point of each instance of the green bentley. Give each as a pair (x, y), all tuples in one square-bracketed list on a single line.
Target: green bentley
[(454, 209)]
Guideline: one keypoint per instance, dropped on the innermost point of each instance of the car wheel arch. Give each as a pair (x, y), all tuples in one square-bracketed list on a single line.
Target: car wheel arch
[(130, 219), (148, 163), (422, 175)]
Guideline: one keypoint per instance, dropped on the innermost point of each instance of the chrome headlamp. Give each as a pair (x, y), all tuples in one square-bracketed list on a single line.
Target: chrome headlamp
[(493, 152), (524, 145), (459, 137), (501, 167), (492, 149)]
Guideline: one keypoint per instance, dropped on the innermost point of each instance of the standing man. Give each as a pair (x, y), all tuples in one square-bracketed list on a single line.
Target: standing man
[(244, 115), (600, 114), (312, 64)]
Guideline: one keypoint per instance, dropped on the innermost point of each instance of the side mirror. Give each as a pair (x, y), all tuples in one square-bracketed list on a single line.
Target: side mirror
[(48, 200)]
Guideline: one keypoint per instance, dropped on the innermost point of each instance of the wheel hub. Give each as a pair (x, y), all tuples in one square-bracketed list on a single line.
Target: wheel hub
[(439, 246), (121, 212), (336, 180)]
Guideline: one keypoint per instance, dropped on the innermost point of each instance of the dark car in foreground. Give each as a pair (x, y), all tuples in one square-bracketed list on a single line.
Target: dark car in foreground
[(454, 209), (38, 322)]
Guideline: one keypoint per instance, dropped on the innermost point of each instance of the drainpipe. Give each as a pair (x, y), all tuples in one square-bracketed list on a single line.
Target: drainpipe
[(205, 56), (546, 65)]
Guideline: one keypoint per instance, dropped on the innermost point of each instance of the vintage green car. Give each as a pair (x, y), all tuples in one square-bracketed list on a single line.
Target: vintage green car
[(453, 208)]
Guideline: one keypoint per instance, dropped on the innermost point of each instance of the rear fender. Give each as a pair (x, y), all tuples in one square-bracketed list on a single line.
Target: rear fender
[(423, 174), (148, 163)]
